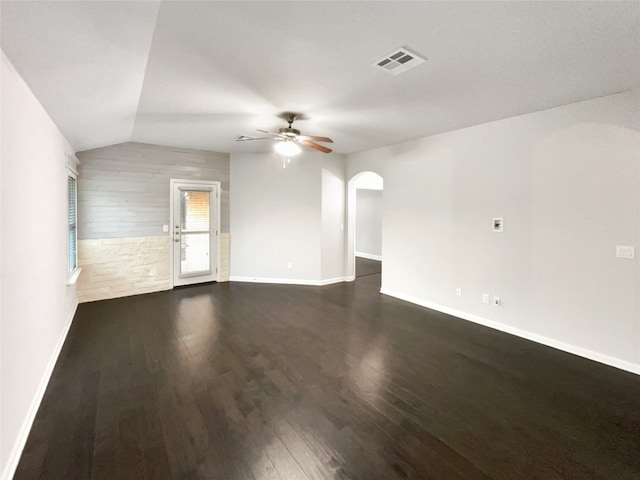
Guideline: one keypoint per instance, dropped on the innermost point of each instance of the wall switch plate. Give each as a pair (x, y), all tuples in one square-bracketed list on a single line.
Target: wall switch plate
[(458, 292), (498, 224), (497, 302), (165, 228), (625, 251), (289, 265), (485, 298)]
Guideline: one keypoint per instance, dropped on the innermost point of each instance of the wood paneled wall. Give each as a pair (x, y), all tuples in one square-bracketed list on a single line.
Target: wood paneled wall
[(123, 202), (123, 190)]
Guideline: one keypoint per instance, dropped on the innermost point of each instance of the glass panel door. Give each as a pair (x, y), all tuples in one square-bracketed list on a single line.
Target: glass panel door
[(195, 235), (195, 230)]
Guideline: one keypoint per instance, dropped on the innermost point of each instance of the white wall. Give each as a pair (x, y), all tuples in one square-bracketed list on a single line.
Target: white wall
[(369, 223), (37, 306), (283, 215), (275, 217), (333, 217), (566, 181)]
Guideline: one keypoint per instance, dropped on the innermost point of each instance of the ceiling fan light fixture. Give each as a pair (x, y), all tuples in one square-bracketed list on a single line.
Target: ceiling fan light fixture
[(290, 140), (287, 148)]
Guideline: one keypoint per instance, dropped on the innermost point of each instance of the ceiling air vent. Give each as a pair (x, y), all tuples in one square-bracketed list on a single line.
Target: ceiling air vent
[(399, 61)]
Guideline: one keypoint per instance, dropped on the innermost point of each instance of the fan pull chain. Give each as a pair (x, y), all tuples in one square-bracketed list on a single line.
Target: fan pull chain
[(285, 159)]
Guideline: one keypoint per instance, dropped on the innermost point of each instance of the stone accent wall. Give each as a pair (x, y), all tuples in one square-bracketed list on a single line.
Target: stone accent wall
[(123, 203), (117, 267), (223, 263)]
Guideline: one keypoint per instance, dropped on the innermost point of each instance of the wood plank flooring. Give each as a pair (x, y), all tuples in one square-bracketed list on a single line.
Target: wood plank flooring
[(250, 381), (364, 266)]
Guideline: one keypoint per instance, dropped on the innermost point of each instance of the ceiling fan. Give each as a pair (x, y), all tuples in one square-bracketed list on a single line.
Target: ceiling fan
[(289, 138)]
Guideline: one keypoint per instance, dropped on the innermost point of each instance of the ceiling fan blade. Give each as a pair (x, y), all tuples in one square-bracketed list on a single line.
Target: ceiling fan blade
[(244, 138), (278, 135), (310, 144), (315, 139)]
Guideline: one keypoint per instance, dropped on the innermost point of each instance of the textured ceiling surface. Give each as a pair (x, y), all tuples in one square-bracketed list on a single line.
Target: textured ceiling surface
[(199, 74)]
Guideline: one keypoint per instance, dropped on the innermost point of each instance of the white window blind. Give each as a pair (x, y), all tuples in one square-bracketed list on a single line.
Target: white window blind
[(195, 232), (73, 222)]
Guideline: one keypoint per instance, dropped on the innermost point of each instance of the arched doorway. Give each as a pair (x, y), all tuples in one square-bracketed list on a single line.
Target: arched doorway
[(372, 184)]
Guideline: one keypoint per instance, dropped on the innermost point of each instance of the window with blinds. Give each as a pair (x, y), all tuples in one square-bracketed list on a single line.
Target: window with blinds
[(195, 238), (73, 222)]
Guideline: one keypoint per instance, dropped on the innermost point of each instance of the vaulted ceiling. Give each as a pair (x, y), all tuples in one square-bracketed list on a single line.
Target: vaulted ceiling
[(198, 74)]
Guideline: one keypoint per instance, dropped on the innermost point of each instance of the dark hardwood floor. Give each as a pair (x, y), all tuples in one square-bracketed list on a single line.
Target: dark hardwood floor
[(365, 266), (251, 381)]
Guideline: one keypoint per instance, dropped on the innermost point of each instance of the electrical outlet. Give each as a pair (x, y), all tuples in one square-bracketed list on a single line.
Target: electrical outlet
[(458, 292), (165, 228), (625, 251), (485, 298), (153, 272), (289, 265), (497, 302)]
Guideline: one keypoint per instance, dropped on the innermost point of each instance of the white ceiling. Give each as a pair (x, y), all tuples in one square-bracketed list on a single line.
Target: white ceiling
[(198, 74)]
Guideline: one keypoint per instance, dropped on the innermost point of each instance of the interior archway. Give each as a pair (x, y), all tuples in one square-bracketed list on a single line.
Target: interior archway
[(362, 180)]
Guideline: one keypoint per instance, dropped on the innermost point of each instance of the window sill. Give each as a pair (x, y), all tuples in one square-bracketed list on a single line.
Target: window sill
[(72, 278)]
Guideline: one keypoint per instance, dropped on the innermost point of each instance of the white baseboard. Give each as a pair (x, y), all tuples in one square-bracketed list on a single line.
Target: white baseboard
[(550, 342), (287, 281), (329, 281), (18, 446), (369, 256)]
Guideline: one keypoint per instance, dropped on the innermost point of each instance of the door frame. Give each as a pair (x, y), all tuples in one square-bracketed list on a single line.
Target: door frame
[(352, 187), (172, 183)]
